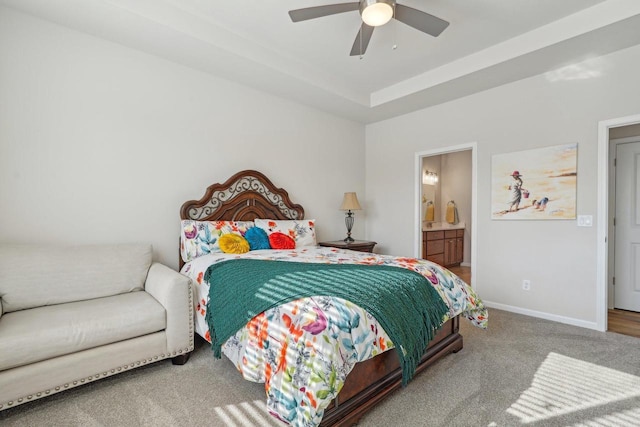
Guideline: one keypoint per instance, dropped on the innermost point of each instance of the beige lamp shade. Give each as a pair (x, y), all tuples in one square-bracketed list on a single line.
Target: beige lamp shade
[(350, 202)]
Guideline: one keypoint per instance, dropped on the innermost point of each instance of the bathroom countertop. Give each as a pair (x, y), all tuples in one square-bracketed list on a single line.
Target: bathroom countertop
[(438, 226)]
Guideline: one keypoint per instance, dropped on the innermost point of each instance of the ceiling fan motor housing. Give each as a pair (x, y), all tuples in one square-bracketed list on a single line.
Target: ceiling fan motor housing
[(377, 8)]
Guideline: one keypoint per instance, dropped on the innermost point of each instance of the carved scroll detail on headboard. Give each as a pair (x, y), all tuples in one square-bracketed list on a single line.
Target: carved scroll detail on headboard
[(245, 196)]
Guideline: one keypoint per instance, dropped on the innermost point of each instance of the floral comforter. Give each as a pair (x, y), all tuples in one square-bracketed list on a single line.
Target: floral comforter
[(303, 350)]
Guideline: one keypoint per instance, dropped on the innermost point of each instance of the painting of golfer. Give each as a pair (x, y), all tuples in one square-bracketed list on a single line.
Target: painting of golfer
[(535, 184)]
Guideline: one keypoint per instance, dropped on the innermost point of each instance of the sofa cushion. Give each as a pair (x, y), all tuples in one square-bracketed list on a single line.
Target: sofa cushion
[(33, 276), (28, 336)]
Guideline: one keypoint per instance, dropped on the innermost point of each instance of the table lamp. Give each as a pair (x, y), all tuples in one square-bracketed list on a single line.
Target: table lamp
[(349, 204)]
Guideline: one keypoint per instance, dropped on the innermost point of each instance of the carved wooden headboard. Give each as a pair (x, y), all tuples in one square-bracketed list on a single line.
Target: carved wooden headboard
[(245, 196)]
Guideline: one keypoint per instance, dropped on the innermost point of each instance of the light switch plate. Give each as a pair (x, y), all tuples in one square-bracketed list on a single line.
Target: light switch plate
[(585, 220)]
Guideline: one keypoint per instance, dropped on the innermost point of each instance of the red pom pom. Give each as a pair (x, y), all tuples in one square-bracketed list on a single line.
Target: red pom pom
[(279, 240)]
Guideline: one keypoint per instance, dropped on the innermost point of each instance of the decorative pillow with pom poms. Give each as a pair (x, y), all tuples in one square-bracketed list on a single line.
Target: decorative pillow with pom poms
[(279, 240), (233, 244), (257, 238)]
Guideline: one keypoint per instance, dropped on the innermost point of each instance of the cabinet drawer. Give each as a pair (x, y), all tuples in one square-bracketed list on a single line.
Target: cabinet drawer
[(438, 259), (460, 233), (434, 235), (435, 247), (450, 234)]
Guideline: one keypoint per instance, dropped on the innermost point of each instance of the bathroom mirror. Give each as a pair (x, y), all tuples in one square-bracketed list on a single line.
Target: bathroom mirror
[(430, 185)]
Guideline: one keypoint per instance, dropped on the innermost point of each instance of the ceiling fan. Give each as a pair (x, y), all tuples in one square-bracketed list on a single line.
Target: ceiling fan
[(374, 13)]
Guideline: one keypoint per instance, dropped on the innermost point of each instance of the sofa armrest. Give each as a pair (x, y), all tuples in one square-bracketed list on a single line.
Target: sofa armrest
[(173, 290)]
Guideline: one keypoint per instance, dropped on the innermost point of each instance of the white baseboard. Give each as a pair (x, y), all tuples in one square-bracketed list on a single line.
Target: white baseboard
[(465, 264), (541, 315)]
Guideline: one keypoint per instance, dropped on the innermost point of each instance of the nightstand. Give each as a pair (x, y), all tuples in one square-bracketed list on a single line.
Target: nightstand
[(356, 245)]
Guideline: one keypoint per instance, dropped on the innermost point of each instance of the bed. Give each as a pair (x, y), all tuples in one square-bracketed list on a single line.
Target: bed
[(363, 381)]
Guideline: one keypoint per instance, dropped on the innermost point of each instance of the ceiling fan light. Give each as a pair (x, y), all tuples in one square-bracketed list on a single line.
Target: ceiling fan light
[(377, 14)]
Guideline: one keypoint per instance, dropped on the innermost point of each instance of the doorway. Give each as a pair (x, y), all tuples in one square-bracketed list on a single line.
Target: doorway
[(421, 159), (624, 246), (610, 134), (624, 235)]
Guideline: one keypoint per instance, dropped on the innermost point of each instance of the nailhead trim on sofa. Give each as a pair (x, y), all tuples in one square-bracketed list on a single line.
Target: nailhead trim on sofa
[(113, 371)]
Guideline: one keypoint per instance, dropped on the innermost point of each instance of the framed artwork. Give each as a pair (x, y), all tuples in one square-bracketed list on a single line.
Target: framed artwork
[(535, 184)]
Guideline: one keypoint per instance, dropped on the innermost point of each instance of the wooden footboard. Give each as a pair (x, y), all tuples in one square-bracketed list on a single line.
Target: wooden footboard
[(372, 380)]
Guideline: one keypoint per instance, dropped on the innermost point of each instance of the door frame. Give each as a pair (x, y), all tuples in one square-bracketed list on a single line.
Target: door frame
[(473, 146), (602, 259), (613, 206)]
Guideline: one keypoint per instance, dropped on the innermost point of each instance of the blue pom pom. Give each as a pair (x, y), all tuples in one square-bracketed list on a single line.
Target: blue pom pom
[(257, 238)]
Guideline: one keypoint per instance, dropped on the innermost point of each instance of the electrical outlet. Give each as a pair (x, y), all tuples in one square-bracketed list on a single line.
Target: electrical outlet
[(526, 285)]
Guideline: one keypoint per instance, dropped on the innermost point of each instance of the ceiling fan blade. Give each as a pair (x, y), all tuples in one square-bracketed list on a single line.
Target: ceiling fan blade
[(362, 40), (298, 15), (420, 20)]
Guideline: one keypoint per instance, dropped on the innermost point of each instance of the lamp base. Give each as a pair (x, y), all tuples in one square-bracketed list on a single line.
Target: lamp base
[(348, 220)]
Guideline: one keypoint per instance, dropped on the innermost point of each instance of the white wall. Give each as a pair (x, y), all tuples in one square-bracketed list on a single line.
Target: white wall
[(557, 256), (102, 143)]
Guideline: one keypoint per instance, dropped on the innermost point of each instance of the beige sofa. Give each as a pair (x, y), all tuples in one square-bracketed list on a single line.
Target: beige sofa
[(72, 315)]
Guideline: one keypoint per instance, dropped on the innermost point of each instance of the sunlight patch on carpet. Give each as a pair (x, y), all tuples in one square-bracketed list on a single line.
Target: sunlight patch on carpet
[(246, 414), (629, 418), (562, 385)]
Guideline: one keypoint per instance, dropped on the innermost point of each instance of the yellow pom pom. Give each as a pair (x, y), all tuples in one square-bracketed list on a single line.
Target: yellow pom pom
[(233, 244)]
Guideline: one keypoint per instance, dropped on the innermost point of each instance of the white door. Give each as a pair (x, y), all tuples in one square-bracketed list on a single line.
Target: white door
[(627, 223)]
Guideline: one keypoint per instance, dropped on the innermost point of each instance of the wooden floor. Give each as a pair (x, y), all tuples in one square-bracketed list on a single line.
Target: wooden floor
[(463, 272), (624, 322)]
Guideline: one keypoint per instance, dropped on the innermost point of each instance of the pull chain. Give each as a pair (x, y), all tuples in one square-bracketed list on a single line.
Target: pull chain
[(395, 30), (361, 42)]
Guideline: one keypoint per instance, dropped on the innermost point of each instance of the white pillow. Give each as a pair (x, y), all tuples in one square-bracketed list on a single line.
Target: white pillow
[(302, 231)]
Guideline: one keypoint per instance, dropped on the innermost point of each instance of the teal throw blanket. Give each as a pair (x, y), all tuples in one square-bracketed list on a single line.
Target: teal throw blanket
[(404, 302)]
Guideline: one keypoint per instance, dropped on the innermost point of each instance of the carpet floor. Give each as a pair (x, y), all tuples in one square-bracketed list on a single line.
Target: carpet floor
[(523, 371)]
